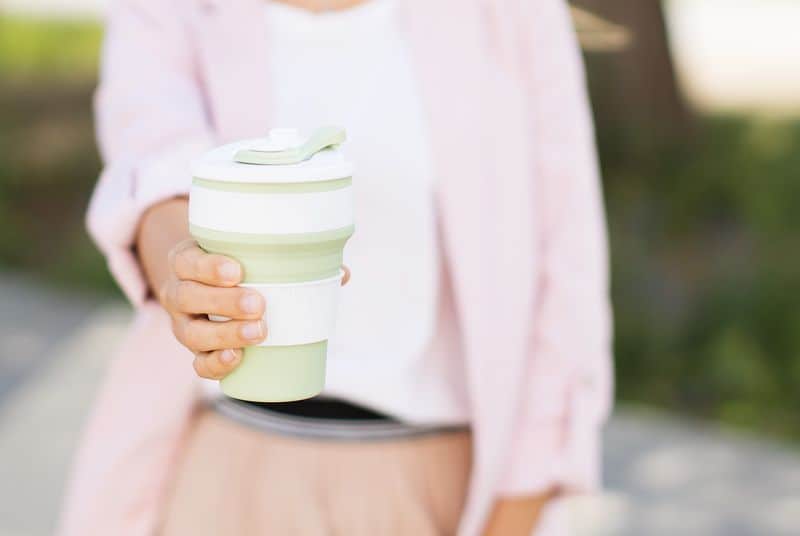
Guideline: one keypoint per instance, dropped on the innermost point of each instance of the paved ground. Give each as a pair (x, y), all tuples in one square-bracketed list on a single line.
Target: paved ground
[(32, 321), (664, 476)]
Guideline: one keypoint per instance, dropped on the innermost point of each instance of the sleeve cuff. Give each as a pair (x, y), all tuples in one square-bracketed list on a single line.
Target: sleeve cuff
[(562, 455), (125, 191)]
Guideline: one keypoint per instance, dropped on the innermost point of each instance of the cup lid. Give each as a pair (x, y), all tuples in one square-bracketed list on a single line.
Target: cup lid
[(285, 156)]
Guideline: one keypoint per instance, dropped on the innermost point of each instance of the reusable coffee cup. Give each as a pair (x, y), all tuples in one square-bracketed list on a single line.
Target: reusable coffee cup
[(283, 207)]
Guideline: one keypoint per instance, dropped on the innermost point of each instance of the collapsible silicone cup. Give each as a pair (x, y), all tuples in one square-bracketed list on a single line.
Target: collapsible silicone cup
[(287, 224)]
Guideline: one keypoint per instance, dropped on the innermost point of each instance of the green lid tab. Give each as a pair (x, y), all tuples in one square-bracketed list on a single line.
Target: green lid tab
[(284, 146)]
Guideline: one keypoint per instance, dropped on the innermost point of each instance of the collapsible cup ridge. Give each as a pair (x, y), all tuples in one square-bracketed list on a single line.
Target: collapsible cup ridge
[(283, 207)]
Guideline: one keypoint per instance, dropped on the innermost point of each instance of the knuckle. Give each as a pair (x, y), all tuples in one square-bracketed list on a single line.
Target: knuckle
[(199, 367), (211, 269), (183, 259), (224, 302), (179, 330), (216, 366), (188, 266), (182, 295), (175, 325), (172, 258), (193, 334), (240, 300), (163, 294), (179, 263), (222, 333)]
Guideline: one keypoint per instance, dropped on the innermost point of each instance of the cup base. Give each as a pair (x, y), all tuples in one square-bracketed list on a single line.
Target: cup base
[(278, 373)]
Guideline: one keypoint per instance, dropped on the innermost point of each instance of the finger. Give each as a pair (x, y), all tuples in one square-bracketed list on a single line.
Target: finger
[(216, 365), (201, 335), (346, 276), (189, 262), (196, 298)]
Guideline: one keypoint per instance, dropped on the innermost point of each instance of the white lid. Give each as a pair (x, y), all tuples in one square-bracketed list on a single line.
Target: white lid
[(220, 164)]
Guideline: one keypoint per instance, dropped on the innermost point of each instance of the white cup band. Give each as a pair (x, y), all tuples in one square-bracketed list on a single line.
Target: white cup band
[(297, 313), (270, 213)]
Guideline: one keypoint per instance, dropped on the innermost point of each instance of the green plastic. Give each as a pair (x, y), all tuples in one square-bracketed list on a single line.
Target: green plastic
[(290, 258), (320, 139), (278, 373), (276, 187)]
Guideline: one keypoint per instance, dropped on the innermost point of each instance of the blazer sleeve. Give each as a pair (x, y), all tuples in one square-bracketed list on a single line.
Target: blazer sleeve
[(150, 120), (568, 390)]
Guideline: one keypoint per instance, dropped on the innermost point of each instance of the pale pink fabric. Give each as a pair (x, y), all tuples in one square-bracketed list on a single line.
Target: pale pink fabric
[(521, 219), (280, 485)]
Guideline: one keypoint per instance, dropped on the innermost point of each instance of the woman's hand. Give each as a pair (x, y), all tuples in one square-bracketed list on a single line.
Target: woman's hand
[(192, 284), (201, 284)]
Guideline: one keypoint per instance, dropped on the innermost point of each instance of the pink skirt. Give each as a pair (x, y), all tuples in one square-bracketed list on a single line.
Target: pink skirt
[(236, 480)]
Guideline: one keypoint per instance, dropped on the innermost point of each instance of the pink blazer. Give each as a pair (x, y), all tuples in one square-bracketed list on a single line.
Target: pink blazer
[(520, 210)]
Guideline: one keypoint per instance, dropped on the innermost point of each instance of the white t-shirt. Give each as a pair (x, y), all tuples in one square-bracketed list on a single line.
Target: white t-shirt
[(352, 68)]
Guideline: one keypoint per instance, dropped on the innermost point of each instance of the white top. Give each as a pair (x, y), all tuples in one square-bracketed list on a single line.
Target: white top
[(352, 68)]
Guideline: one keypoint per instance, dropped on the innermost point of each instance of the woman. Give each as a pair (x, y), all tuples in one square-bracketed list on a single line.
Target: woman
[(471, 129)]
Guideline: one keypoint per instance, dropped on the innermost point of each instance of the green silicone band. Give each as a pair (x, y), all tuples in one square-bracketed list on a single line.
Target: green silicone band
[(287, 258), (272, 239), (275, 187)]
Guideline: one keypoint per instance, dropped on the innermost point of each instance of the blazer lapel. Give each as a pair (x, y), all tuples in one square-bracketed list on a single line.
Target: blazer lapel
[(485, 202), (446, 58)]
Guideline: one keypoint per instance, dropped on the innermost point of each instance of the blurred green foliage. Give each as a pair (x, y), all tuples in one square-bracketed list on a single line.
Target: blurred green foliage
[(32, 49), (48, 161), (706, 271)]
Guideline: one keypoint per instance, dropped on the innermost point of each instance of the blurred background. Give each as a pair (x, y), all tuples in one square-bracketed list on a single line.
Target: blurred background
[(697, 104)]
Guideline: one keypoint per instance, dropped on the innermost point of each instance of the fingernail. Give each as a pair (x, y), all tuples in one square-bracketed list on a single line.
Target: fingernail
[(251, 302), (229, 271), (253, 330), (227, 356)]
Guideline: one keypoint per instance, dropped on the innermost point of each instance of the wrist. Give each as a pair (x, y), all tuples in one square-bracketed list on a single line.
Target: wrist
[(162, 226), (517, 516)]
